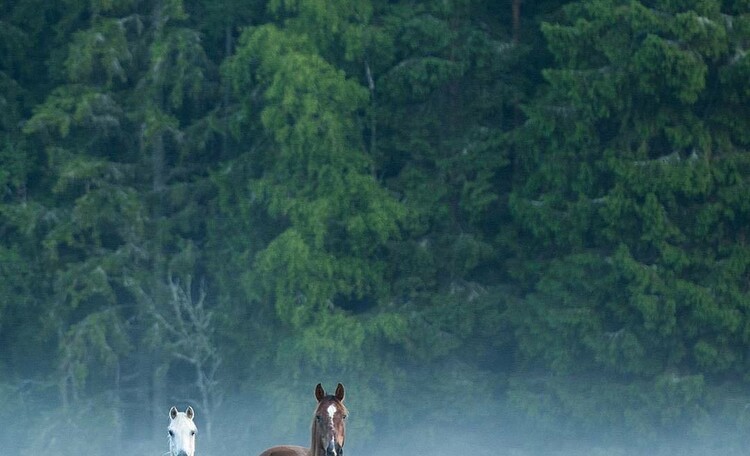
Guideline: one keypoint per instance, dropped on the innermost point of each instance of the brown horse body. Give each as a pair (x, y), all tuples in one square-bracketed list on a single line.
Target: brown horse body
[(328, 429), (286, 450)]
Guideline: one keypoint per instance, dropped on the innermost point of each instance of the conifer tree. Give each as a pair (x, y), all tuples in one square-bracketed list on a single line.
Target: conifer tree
[(633, 164), (120, 153)]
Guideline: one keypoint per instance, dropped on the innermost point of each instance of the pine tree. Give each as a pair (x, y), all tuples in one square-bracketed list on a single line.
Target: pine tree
[(445, 79), (25, 44), (321, 221), (121, 150), (633, 163)]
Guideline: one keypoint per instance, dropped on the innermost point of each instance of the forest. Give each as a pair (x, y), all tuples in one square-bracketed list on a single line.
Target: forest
[(508, 227)]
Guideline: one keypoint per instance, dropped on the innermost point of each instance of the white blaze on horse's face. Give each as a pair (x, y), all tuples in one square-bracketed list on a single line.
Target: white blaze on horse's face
[(181, 432), (331, 413)]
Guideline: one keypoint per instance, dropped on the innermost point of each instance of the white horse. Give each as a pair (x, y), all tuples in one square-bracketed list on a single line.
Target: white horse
[(181, 432)]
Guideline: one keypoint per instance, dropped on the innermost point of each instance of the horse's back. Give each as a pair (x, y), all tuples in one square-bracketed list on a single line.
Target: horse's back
[(286, 450)]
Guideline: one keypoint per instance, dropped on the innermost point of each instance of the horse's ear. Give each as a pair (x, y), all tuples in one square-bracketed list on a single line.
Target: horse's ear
[(173, 412), (320, 393), (340, 392), (189, 412)]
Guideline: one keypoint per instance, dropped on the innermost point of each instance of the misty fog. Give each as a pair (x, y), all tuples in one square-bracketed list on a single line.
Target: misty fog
[(467, 421)]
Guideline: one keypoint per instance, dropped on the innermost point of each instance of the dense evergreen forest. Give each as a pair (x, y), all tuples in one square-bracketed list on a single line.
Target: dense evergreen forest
[(527, 217)]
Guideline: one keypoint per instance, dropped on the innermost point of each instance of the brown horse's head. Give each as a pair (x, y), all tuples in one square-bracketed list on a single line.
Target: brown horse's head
[(328, 429)]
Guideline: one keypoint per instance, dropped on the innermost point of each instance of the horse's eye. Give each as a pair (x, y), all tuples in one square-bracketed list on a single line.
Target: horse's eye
[(171, 434), (317, 417), (345, 416), (192, 432)]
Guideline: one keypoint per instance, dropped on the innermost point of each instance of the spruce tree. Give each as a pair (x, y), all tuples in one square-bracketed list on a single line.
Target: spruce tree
[(633, 163)]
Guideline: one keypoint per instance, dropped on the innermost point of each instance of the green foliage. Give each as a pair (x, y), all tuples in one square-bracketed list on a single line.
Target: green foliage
[(542, 208), (318, 179), (332, 26), (628, 167), (178, 68), (111, 134), (99, 339), (102, 49)]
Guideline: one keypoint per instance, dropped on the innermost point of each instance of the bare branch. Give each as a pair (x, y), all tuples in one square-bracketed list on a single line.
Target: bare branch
[(189, 331)]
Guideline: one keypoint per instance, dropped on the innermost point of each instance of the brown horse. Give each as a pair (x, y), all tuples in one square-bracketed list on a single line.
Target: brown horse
[(328, 430)]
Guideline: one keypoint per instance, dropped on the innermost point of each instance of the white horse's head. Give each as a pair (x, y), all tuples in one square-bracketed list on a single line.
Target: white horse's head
[(181, 432)]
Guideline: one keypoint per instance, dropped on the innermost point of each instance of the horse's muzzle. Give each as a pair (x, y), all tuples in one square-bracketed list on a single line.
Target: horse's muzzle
[(334, 449)]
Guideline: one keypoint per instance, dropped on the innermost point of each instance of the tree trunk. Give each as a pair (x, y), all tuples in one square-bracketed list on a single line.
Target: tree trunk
[(159, 401), (516, 7), (227, 90)]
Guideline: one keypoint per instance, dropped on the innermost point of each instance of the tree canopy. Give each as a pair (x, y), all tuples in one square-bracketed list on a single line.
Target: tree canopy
[(535, 209)]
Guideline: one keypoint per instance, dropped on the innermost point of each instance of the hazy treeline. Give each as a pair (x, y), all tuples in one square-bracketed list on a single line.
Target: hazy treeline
[(513, 215)]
